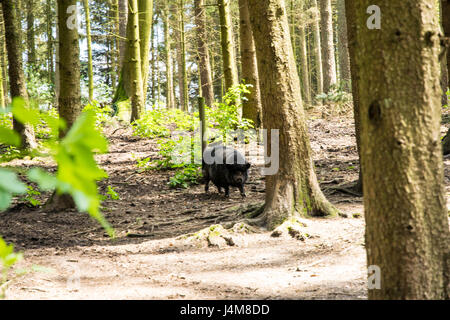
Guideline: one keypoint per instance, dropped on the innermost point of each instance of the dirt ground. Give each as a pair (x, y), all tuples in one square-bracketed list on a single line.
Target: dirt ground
[(68, 256)]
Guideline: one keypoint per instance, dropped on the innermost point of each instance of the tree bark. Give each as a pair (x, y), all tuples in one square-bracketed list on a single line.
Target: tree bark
[(31, 44), (15, 69), (203, 53), (228, 46), (183, 72), (89, 48), (317, 49), (344, 60), (407, 231), (352, 47), (127, 87), (170, 99), (251, 107), (123, 19), (145, 30), (294, 188), (445, 9), (328, 57), (69, 66), (304, 70), (133, 64)]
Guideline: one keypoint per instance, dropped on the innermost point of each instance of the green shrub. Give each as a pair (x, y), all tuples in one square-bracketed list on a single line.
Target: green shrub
[(186, 177)]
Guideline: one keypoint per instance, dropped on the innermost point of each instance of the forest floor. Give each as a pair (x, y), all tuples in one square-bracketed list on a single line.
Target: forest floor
[(68, 256)]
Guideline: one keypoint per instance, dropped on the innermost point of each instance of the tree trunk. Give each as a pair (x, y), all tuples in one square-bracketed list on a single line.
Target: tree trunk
[(145, 31), (445, 9), (123, 19), (2, 93), (445, 62), (89, 48), (251, 107), (344, 62), (50, 63), (203, 53), (227, 43), (69, 66), (134, 61), (31, 44), (352, 47), (184, 83), (317, 49), (407, 231), (328, 57), (127, 87), (15, 69), (304, 70), (4, 56), (294, 188), (170, 99)]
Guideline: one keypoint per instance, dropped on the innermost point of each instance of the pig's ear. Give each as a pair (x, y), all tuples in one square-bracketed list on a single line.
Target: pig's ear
[(247, 165)]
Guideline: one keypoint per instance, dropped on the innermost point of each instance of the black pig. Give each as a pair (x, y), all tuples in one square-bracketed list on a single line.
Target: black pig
[(225, 167)]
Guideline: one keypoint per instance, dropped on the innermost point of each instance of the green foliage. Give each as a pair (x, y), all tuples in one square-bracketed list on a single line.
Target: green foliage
[(7, 259), (224, 116), (30, 198), (111, 193), (102, 113), (336, 95), (9, 185), (77, 170), (40, 91), (158, 123), (189, 175)]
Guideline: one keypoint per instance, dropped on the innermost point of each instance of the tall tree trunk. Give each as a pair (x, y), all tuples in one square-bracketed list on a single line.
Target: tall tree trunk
[(445, 8), (227, 43), (4, 57), (68, 75), (318, 49), (69, 105), (169, 70), (127, 87), (31, 44), (344, 62), (123, 18), (114, 42), (145, 31), (251, 107), (203, 53), (352, 47), (15, 69), (304, 70), (445, 61), (294, 188), (328, 57), (2, 93), (184, 83), (407, 231), (181, 57), (50, 61), (134, 61), (89, 48)]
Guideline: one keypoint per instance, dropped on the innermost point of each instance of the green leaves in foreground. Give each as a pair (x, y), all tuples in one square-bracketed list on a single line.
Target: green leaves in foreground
[(78, 172), (9, 186), (7, 259)]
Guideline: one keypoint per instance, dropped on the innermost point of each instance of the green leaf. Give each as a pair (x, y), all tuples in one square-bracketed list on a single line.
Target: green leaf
[(23, 113), (8, 136), (44, 180), (10, 183)]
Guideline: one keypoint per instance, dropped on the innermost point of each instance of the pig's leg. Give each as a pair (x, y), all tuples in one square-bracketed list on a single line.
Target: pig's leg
[(241, 189), (227, 192)]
